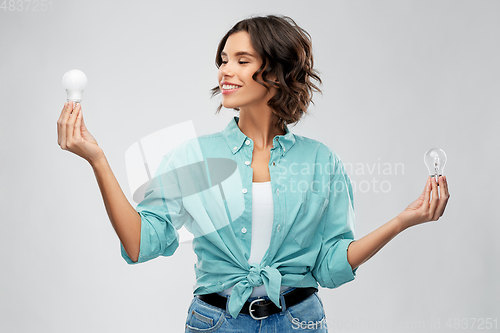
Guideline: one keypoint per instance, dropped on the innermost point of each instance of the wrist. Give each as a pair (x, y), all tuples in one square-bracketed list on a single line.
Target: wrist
[(400, 223), (98, 162)]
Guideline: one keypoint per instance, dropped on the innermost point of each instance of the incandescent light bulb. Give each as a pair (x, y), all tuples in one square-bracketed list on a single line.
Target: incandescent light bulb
[(74, 82), (435, 159)]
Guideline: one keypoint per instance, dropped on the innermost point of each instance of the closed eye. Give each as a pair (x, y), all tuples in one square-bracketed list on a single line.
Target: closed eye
[(240, 62)]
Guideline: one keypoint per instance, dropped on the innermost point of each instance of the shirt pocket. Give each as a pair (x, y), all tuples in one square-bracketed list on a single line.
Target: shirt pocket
[(308, 218)]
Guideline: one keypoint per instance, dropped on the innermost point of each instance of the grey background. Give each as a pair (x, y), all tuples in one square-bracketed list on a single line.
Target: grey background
[(400, 77)]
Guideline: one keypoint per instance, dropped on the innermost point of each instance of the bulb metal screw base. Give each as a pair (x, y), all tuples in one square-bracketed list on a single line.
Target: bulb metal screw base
[(74, 95)]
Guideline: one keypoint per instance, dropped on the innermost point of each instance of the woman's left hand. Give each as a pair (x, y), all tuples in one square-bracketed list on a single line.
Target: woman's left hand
[(425, 208)]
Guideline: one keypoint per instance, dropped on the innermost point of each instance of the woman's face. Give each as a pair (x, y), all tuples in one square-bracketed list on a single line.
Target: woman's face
[(239, 63)]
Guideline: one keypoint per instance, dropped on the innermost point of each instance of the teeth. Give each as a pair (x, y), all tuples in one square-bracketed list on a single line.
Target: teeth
[(229, 87)]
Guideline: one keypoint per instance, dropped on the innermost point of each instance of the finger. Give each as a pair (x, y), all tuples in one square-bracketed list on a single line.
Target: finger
[(442, 187), (78, 124), (427, 193), (443, 184), (59, 123), (68, 110), (443, 197), (435, 198), (70, 124), (63, 129)]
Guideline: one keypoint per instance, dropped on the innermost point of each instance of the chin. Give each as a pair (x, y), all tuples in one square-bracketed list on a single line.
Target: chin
[(229, 105)]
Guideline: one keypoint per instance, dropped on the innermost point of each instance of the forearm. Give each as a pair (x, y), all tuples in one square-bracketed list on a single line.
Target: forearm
[(364, 248), (124, 218)]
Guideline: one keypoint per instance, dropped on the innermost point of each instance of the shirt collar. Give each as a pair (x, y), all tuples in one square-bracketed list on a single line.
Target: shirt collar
[(236, 139)]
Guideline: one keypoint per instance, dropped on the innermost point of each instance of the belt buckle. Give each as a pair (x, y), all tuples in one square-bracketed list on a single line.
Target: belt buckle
[(250, 310)]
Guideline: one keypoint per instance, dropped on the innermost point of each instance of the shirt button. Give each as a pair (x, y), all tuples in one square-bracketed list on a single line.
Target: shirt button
[(235, 148), (247, 142), (244, 190), (279, 227), (247, 162), (284, 149), (278, 191), (244, 230), (274, 163)]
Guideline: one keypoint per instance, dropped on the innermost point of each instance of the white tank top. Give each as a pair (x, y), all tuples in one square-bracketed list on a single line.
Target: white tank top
[(262, 226)]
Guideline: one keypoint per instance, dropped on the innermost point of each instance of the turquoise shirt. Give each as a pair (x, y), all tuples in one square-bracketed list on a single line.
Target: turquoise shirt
[(205, 185)]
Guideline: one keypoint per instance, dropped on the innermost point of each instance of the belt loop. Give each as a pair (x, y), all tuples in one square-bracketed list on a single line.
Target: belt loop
[(227, 302), (282, 302)]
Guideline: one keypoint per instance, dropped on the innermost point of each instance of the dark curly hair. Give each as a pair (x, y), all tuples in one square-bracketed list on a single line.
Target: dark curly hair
[(286, 53)]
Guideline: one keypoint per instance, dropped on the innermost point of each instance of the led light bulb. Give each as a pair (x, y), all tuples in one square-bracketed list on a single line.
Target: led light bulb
[(435, 159), (74, 82)]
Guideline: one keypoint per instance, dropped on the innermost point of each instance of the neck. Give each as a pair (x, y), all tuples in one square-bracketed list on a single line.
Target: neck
[(260, 127)]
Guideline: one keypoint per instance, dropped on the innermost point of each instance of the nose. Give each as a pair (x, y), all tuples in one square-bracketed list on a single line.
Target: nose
[(225, 69)]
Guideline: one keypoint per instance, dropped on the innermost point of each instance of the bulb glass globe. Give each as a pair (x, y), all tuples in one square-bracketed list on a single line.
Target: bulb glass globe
[(435, 159), (74, 82)]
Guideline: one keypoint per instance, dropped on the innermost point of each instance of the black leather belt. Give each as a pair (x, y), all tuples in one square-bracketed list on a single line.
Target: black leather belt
[(261, 308)]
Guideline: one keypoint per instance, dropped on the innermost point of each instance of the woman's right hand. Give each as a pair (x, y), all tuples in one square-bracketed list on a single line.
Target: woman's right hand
[(74, 136), (429, 206)]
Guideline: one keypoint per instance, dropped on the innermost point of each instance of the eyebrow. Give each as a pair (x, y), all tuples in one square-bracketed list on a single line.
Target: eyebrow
[(240, 53)]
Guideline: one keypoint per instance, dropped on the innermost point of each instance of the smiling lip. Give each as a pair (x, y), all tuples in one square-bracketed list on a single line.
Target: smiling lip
[(225, 92)]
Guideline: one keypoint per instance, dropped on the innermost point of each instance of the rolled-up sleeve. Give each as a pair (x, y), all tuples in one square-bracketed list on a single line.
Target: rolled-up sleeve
[(162, 214), (332, 268)]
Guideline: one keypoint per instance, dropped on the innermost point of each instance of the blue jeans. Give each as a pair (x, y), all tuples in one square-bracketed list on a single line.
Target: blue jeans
[(306, 316)]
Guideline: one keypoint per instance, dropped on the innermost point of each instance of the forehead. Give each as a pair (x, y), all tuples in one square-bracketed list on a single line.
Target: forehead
[(239, 44)]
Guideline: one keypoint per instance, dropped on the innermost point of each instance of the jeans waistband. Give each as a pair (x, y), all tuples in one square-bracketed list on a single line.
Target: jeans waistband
[(261, 297)]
